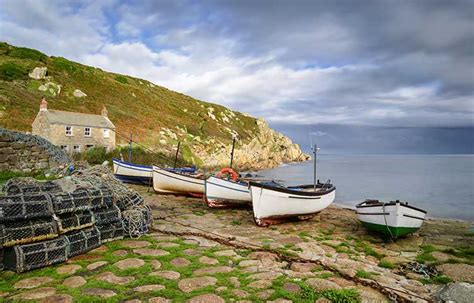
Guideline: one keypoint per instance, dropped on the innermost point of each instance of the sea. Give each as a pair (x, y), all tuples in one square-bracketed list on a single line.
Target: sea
[(443, 185)]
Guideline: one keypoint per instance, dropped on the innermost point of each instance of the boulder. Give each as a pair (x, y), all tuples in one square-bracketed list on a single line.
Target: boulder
[(78, 93), (38, 73)]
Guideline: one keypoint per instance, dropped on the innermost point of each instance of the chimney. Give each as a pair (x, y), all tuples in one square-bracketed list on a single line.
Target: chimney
[(43, 105), (104, 111)]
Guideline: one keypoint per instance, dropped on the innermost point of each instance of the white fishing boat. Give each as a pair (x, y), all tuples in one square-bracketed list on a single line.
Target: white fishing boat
[(394, 218), (168, 181), (221, 192), (132, 173), (273, 203)]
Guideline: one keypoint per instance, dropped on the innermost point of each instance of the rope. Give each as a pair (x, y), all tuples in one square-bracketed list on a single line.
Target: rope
[(386, 224)]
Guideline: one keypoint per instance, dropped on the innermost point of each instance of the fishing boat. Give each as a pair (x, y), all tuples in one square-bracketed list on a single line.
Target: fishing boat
[(226, 192), (393, 219), (273, 203), (176, 182), (132, 173)]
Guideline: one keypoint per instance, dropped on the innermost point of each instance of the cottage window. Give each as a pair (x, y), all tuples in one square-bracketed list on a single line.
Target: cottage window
[(106, 133), (76, 148), (65, 148), (68, 130), (89, 146), (87, 131)]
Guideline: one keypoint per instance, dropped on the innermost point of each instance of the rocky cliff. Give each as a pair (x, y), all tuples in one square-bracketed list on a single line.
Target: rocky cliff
[(156, 116)]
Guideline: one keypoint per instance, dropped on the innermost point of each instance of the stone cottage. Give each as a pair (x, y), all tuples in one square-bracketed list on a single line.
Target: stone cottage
[(74, 132)]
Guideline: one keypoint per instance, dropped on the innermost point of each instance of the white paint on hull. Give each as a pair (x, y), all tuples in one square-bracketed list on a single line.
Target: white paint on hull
[(396, 215), (269, 203), (131, 170), (171, 182), (222, 191)]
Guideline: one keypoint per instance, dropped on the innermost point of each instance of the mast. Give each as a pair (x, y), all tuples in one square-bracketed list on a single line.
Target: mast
[(176, 156), (232, 152)]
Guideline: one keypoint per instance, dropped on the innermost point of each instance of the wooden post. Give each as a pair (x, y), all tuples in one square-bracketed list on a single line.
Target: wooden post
[(176, 156), (130, 148), (232, 153)]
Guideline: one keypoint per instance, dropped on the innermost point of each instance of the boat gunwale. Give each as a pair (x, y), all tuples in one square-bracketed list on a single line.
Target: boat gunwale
[(133, 166), (286, 190), (361, 205), (157, 169)]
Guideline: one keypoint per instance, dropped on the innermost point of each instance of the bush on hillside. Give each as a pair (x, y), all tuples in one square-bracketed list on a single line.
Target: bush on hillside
[(27, 53), (64, 64), (121, 79), (10, 71)]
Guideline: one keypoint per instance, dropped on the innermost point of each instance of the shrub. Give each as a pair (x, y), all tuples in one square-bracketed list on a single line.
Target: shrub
[(386, 264), (27, 53), (64, 64), (96, 155), (121, 79), (10, 71)]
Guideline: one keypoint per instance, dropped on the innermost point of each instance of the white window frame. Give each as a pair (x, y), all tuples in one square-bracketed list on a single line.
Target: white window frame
[(86, 131), (65, 148), (76, 150), (69, 130), (106, 133)]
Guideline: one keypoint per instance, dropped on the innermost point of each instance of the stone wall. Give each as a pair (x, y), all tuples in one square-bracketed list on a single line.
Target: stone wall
[(23, 152)]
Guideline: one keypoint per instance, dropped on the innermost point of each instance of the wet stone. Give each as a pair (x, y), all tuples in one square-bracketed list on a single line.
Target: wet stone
[(190, 284), (208, 261), (36, 294), (206, 298), (135, 244), (129, 263), (68, 269), (151, 252), (212, 270), (113, 279), (291, 287), (159, 300), (180, 262), (32, 282), (96, 265), (74, 282), (149, 288), (170, 275), (99, 292), (59, 298), (120, 253)]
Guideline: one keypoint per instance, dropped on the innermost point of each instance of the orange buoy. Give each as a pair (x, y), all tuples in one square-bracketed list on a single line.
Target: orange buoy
[(228, 170)]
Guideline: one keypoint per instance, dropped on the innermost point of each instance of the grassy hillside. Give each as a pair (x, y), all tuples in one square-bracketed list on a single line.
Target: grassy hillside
[(152, 113)]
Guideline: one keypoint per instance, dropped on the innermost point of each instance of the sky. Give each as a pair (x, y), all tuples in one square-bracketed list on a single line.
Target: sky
[(305, 66)]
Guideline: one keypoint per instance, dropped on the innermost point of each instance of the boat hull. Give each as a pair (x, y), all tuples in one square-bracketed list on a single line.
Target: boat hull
[(165, 181), (132, 173), (394, 220), (221, 193), (272, 206)]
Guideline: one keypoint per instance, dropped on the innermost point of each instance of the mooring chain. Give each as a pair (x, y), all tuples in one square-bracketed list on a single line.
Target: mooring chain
[(393, 293)]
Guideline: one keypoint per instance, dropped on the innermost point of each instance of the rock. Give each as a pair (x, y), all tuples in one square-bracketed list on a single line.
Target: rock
[(302, 267), (203, 242), (221, 288), (324, 300), (280, 300), (78, 93), (53, 88), (59, 298), (180, 262), (206, 298), (165, 238), (159, 300), (96, 265), (321, 284), (234, 281), (32, 282), (456, 292), (135, 244), (149, 288), (459, 272), (268, 275), (240, 293), (259, 255), (68, 269), (265, 294), (208, 261), (167, 274), (99, 292), (38, 73), (151, 252), (191, 252), (133, 301), (113, 279), (155, 264), (247, 263), (341, 281), (212, 270), (35, 294), (167, 244), (260, 284), (310, 251), (370, 295), (190, 284), (291, 287), (441, 256), (120, 253), (100, 250), (74, 282), (415, 276), (129, 263), (226, 253), (189, 241)]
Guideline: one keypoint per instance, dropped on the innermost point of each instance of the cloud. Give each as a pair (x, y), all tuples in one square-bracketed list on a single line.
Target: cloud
[(384, 63)]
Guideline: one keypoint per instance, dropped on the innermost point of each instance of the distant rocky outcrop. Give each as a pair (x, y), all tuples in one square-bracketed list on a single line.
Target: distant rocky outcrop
[(78, 93), (38, 73)]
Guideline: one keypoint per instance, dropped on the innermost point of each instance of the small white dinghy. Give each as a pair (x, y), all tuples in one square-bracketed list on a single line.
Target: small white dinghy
[(167, 181), (221, 193), (273, 203), (394, 218), (132, 173)]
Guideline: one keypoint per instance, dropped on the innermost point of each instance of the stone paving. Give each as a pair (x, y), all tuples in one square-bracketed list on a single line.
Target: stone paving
[(165, 268)]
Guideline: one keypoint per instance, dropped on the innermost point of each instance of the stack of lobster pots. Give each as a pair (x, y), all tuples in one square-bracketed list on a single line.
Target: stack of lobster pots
[(40, 224)]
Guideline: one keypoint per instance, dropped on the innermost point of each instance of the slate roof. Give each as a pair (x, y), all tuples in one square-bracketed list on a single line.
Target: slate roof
[(78, 119)]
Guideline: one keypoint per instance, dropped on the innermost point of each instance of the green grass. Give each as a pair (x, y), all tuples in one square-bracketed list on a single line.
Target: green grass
[(11, 71), (121, 79), (386, 264), (437, 280), (27, 53), (425, 255), (363, 274), (367, 250)]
